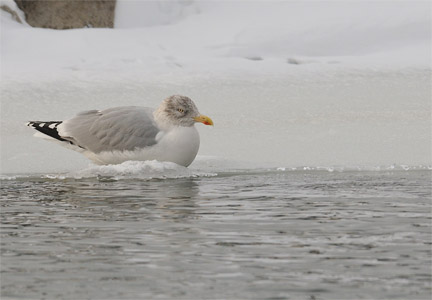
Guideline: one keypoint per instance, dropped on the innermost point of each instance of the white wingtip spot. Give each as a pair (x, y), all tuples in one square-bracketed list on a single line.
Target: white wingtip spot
[(52, 126), (41, 124)]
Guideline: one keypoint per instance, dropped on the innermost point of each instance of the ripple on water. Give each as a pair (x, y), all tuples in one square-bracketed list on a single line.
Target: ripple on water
[(243, 234)]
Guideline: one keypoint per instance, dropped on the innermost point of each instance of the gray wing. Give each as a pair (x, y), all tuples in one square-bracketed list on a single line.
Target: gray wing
[(119, 128)]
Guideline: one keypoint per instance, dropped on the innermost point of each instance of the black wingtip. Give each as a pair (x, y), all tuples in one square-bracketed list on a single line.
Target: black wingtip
[(48, 128)]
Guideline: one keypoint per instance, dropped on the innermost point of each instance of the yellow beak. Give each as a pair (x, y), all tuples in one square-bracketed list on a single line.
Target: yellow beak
[(204, 119)]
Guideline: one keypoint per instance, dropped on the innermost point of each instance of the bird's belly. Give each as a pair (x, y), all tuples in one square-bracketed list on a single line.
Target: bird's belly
[(180, 146)]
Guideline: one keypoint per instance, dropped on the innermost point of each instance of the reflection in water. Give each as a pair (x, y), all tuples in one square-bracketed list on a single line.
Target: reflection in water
[(241, 235), (139, 199)]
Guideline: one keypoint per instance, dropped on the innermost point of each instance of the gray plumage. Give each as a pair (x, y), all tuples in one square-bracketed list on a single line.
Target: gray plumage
[(119, 128)]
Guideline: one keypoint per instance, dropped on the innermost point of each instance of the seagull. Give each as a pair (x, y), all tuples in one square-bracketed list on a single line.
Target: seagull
[(119, 134)]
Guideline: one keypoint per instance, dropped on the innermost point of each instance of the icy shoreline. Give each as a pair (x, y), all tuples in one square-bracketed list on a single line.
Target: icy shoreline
[(286, 86)]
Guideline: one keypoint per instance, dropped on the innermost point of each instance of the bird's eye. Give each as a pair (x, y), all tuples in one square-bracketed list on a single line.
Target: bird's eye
[(180, 110)]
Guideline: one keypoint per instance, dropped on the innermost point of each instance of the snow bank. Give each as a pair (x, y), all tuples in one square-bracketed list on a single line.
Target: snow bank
[(136, 14), (212, 36), (292, 83)]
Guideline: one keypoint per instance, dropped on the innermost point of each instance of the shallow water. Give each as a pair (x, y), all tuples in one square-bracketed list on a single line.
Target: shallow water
[(264, 234)]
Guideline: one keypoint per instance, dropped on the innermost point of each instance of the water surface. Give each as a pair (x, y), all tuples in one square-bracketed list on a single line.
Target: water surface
[(242, 234)]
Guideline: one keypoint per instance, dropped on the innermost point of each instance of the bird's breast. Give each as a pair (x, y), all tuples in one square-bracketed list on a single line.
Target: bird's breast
[(179, 145)]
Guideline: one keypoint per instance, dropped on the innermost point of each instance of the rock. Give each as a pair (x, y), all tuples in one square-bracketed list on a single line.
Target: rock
[(67, 14), (256, 58), (293, 61)]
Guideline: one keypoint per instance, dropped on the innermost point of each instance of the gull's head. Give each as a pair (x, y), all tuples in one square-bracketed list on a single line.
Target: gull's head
[(181, 111)]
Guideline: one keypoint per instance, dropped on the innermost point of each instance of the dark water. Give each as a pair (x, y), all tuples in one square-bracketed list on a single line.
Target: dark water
[(238, 235)]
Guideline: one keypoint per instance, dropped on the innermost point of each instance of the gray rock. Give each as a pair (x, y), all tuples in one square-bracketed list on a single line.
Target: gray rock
[(67, 14)]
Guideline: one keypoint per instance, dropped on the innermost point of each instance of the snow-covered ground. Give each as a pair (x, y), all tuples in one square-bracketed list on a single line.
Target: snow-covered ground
[(287, 83)]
